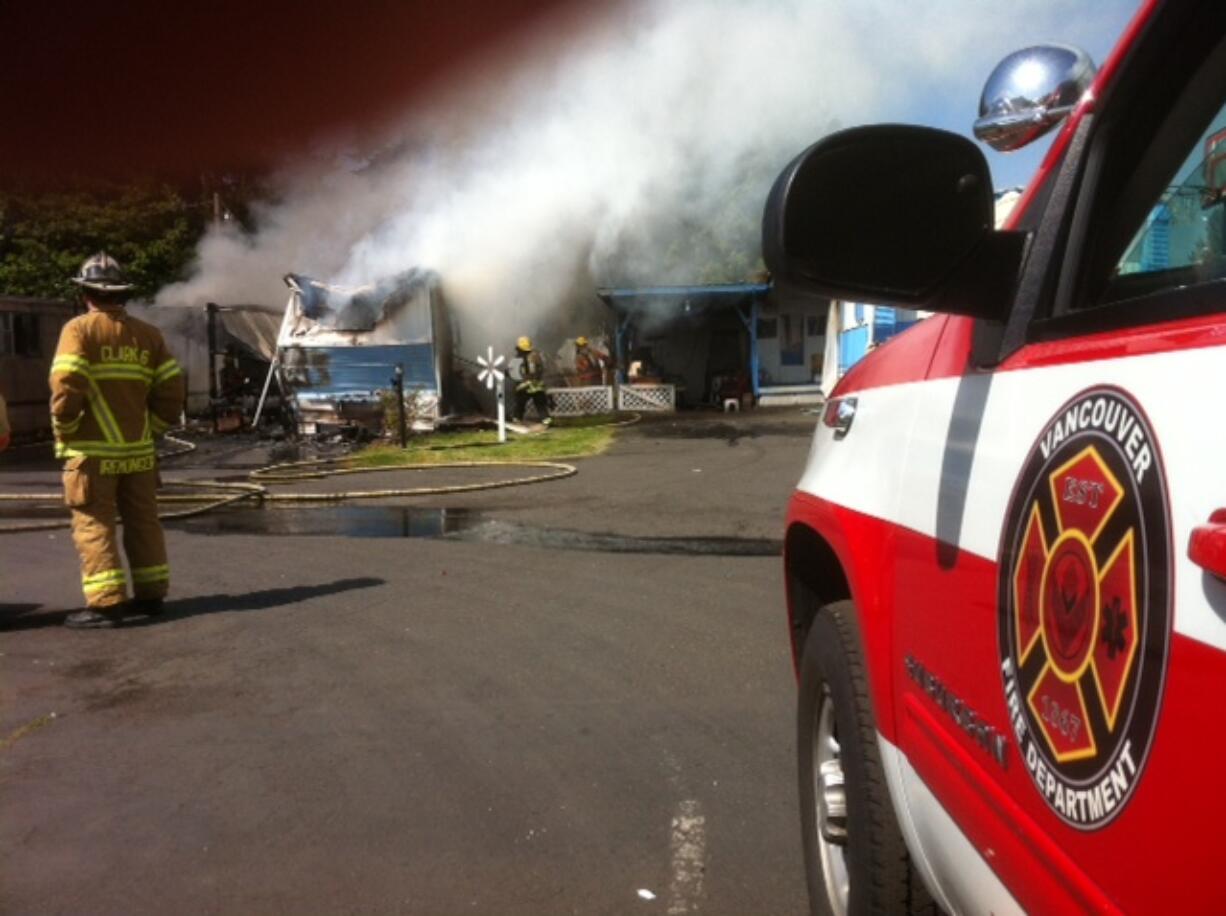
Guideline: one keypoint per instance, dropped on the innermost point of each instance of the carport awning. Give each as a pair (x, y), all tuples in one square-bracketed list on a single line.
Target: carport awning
[(672, 306)]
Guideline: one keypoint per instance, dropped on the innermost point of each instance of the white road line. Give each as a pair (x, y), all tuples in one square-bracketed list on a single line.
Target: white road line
[(689, 849)]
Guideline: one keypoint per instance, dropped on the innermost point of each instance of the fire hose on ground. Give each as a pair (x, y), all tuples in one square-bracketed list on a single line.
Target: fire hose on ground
[(221, 494)]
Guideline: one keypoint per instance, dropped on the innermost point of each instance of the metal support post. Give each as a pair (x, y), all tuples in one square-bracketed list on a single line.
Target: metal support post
[(620, 349), (754, 359), (502, 410), (398, 385), (210, 310), (259, 408)]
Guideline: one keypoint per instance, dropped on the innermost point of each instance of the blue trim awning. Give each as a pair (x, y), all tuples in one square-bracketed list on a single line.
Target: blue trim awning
[(708, 294)]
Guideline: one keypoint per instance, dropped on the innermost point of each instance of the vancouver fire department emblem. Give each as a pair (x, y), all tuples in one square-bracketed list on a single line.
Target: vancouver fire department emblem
[(1085, 605)]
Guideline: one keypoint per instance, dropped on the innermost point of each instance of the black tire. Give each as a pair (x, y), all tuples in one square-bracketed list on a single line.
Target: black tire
[(881, 876)]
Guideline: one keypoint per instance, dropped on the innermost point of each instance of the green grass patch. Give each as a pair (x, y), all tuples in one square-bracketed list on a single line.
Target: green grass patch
[(561, 441)]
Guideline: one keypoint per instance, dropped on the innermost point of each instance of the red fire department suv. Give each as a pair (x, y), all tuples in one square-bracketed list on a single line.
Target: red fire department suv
[(1006, 559)]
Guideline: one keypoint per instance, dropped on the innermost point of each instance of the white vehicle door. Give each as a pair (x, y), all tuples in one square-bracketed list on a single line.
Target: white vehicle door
[(1066, 639)]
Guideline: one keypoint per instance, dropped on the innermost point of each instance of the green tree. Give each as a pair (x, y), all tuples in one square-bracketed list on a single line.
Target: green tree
[(151, 227)]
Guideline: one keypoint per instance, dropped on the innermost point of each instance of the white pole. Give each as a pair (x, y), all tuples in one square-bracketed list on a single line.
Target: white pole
[(259, 409), (502, 411), (491, 373)]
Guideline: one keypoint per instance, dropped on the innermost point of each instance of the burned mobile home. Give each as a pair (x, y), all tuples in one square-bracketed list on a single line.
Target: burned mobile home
[(340, 348), (205, 341)]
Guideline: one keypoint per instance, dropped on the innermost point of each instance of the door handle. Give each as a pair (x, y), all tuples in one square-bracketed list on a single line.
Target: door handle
[(1207, 545)]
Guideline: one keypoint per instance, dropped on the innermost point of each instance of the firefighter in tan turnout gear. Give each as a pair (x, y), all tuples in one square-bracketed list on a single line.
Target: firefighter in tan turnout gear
[(114, 389), (531, 385)]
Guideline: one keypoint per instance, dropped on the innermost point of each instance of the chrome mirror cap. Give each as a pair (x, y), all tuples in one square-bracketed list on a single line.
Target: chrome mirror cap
[(1030, 92)]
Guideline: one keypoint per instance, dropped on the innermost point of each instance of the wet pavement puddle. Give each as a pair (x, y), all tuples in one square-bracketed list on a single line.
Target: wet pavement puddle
[(455, 525)]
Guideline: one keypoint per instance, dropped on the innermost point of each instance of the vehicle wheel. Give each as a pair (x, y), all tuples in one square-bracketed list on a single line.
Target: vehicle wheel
[(855, 859)]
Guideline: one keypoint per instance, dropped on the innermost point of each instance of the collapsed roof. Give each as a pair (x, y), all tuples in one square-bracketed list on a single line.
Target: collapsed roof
[(358, 308)]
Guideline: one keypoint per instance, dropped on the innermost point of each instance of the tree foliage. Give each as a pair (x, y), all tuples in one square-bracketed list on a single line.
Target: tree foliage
[(151, 227)]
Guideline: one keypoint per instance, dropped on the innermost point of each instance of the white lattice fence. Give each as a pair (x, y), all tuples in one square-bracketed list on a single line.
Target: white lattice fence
[(578, 402), (647, 397)]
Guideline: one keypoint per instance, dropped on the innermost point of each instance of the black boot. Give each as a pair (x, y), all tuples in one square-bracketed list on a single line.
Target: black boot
[(89, 619), (146, 607)]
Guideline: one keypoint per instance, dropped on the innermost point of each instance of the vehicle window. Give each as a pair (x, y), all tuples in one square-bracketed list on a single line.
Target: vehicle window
[(1182, 240)]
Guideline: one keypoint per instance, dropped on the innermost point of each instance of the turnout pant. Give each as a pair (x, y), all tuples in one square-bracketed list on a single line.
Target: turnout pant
[(97, 500), (537, 397)]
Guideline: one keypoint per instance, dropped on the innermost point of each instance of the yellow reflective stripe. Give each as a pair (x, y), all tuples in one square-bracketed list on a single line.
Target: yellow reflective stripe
[(107, 575), (151, 573), (69, 363), (124, 450), (113, 370), (93, 449), (102, 412), (104, 587), (103, 581), (168, 369), (127, 372), (157, 425), (66, 426), (91, 589)]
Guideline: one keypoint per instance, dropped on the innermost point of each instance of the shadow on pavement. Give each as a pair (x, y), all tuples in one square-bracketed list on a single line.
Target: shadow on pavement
[(9, 612), (19, 616)]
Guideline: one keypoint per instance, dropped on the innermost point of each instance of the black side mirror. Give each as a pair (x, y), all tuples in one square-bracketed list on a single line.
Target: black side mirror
[(894, 214)]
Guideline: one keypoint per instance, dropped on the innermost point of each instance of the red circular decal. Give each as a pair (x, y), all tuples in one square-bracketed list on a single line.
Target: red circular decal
[(1085, 605)]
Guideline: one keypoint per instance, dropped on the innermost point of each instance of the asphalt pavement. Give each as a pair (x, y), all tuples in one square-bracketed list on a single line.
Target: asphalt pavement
[(388, 724)]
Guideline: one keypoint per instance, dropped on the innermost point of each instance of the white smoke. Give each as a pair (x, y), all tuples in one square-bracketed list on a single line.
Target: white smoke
[(639, 152)]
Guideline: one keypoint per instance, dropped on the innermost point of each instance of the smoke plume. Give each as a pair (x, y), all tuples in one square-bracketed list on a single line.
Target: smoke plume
[(637, 148)]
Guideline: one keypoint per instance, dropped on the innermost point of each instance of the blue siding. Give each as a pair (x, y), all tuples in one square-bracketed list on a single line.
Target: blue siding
[(359, 370), (885, 320), (887, 324), (853, 344)]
